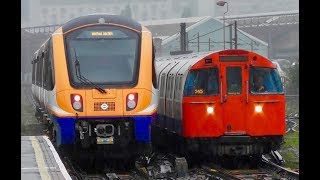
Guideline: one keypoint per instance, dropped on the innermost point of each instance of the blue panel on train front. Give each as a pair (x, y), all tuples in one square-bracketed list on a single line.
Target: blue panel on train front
[(65, 131), (143, 128)]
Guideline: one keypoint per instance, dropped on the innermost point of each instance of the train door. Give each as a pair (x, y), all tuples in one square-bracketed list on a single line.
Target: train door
[(233, 98)]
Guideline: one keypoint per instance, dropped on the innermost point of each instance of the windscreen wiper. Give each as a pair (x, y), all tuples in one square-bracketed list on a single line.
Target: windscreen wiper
[(83, 79)]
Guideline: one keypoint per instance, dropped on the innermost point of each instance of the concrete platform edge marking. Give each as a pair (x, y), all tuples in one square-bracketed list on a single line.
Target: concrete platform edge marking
[(58, 160), (33, 168), (40, 160)]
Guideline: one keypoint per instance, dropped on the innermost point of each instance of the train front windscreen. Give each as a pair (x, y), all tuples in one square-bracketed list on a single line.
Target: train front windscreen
[(265, 81), (202, 82), (104, 55)]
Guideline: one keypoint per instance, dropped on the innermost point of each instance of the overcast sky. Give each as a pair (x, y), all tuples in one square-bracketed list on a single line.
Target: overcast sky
[(258, 6), (49, 12)]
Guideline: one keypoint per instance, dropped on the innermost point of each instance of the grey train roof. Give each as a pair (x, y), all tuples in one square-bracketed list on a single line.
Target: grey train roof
[(197, 55)]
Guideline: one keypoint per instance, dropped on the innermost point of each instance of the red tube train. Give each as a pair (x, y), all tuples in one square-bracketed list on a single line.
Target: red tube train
[(222, 103)]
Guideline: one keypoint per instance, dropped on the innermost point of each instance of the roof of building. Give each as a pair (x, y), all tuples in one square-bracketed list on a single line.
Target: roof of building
[(168, 27), (201, 21)]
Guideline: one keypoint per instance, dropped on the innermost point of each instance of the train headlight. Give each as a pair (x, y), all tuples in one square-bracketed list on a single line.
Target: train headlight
[(210, 110), (131, 97), (258, 108), (76, 101), (131, 101), (77, 97)]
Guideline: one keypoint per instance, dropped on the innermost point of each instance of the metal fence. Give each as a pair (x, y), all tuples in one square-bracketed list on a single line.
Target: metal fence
[(292, 104)]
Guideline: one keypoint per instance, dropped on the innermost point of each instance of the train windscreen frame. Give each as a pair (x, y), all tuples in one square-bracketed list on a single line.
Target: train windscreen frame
[(107, 56)]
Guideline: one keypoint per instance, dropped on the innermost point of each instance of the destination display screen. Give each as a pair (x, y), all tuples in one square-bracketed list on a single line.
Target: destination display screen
[(101, 33), (233, 58), (105, 34)]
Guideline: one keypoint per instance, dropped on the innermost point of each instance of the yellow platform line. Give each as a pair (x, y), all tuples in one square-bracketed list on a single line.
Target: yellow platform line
[(40, 160)]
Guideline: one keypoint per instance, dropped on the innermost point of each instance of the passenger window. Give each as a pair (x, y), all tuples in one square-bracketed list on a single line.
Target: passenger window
[(167, 87), (33, 71), (177, 82), (39, 70), (45, 68), (162, 88), (154, 76), (172, 87)]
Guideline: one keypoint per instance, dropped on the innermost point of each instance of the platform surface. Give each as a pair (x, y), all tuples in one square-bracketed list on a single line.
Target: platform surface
[(40, 161)]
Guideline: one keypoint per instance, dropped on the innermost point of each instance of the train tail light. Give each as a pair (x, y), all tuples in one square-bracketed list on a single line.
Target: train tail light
[(131, 101), (77, 103)]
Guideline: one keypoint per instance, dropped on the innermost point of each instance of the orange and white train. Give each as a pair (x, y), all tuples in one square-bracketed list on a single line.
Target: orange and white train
[(222, 103), (95, 86)]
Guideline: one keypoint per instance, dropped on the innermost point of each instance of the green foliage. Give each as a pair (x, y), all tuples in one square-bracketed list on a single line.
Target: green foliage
[(291, 160), (290, 150), (292, 140)]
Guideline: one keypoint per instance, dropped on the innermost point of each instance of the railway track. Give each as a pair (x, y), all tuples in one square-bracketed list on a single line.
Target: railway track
[(266, 171), (170, 167), (28, 96), (282, 171), (291, 122), (166, 166), (78, 173)]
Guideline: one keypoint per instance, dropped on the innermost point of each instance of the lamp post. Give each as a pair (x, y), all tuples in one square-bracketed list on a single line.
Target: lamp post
[(222, 3)]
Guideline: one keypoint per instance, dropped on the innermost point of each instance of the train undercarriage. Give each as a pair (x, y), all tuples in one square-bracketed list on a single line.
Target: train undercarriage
[(107, 138), (113, 137), (214, 149)]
